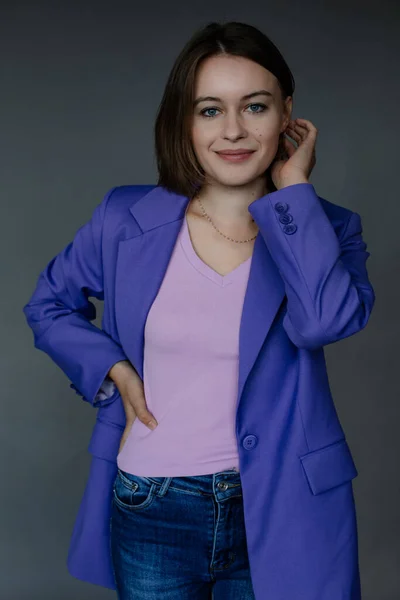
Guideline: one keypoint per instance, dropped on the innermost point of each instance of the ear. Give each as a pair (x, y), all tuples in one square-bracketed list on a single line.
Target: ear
[(281, 153), (286, 113)]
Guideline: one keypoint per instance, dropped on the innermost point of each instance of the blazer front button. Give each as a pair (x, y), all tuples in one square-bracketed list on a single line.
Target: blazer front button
[(289, 229), (249, 442)]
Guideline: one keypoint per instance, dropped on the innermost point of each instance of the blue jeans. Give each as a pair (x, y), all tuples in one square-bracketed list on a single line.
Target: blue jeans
[(179, 538)]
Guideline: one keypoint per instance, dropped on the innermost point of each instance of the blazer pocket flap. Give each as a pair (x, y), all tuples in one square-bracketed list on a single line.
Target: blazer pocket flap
[(329, 467), (105, 440)]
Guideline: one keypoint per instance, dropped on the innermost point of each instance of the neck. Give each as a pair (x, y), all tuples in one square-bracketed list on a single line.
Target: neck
[(229, 205)]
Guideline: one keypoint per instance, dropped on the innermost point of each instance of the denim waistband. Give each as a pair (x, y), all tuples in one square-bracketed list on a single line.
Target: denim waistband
[(224, 483)]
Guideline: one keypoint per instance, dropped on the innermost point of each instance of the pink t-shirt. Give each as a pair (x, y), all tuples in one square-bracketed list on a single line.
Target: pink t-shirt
[(190, 378)]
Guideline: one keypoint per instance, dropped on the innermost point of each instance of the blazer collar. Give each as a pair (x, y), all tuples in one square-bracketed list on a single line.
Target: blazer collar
[(158, 207)]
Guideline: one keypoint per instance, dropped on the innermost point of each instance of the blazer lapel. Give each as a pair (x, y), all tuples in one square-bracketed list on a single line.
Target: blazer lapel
[(141, 265), (264, 295)]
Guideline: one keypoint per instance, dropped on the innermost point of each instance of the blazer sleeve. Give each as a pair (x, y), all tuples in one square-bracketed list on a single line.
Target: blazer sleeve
[(329, 295), (60, 314)]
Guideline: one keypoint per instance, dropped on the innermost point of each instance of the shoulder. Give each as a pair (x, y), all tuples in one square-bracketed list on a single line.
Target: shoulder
[(122, 197), (117, 219)]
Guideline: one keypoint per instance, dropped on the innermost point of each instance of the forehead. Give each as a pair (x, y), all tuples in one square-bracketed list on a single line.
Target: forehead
[(231, 76)]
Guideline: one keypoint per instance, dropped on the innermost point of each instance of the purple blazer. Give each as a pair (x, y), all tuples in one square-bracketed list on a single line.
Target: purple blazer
[(308, 286)]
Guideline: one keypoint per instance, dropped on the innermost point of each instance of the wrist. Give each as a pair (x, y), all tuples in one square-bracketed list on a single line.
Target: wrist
[(120, 371), (294, 181)]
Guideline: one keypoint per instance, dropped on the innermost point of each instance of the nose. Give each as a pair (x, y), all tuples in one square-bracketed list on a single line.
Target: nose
[(233, 127)]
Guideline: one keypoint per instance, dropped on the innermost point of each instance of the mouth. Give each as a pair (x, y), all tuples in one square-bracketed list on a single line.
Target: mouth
[(235, 155)]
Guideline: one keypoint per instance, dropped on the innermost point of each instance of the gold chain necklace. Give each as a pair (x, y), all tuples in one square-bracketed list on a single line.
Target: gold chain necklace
[(220, 232)]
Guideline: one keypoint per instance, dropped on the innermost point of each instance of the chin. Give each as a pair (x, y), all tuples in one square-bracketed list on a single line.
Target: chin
[(236, 179)]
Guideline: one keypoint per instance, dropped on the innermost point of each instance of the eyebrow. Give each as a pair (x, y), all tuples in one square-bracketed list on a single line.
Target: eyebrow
[(246, 97)]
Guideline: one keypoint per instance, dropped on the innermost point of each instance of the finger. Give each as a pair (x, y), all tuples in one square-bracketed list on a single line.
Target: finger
[(304, 123), (289, 147), (129, 411), (135, 403), (304, 135), (142, 412), (293, 134), (290, 129), (147, 418), (302, 129), (307, 126)]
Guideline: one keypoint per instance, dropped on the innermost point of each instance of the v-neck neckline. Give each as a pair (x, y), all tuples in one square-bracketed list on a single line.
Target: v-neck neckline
[(201, 266)]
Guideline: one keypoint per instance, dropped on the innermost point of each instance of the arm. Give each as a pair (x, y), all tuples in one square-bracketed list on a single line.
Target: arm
[(60, 314), (329, 296), (117, 376)]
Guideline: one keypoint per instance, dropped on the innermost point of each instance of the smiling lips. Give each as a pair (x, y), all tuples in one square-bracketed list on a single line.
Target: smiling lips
[(238, 155)]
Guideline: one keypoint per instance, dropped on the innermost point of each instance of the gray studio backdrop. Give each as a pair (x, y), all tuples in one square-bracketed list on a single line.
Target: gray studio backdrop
[(80, 85)]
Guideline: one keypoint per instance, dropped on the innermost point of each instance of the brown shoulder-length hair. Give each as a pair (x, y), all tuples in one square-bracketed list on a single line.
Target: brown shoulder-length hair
[(179, 171)]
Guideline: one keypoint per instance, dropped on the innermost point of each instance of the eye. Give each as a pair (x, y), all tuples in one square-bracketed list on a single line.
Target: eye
[(263, 107), (203, 112)]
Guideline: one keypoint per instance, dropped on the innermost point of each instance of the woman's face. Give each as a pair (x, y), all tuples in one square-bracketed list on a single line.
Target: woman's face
[(230, 121)]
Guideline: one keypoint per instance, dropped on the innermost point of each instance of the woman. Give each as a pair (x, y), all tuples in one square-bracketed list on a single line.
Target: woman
[(221, 286)]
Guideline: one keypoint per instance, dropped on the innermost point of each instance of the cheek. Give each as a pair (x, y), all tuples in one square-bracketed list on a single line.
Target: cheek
[(201, 138), (268, 143), (197, 135), (266, 134)]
